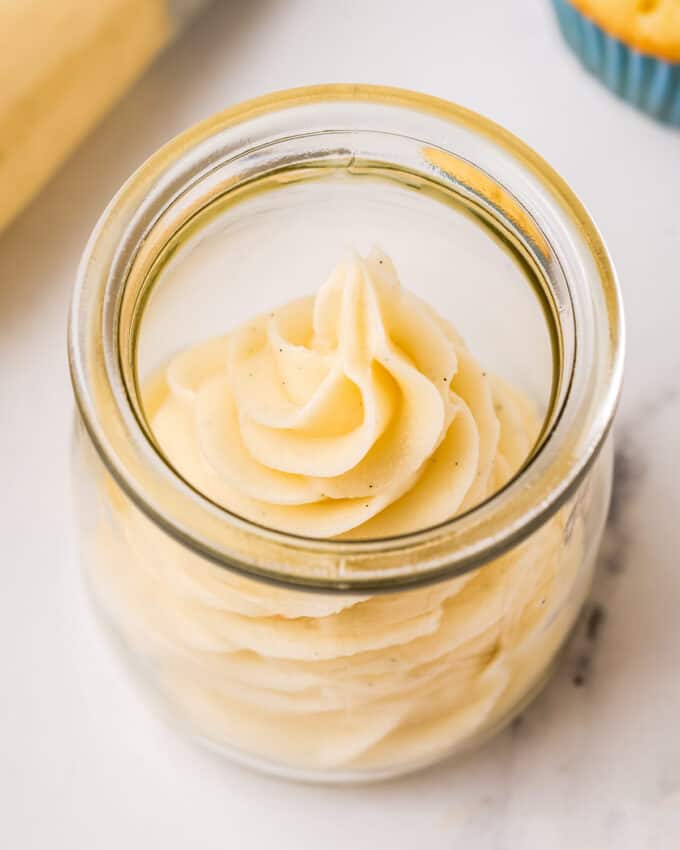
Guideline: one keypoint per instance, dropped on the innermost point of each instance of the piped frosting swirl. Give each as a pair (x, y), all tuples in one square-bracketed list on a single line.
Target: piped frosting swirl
[(358, 412)]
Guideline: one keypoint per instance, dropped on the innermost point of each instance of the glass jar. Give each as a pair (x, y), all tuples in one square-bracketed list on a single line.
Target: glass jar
[(330, 659)]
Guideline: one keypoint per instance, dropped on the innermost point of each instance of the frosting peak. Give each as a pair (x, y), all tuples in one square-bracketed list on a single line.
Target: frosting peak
[(358, 412)]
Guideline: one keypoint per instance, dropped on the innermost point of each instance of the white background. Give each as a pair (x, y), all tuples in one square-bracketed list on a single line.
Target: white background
[(83, 764)]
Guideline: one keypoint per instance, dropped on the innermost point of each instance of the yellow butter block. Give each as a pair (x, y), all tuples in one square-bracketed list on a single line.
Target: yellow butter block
[(62, 65)]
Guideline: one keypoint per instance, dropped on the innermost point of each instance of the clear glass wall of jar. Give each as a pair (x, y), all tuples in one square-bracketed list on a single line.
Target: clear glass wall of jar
[(329, 659)]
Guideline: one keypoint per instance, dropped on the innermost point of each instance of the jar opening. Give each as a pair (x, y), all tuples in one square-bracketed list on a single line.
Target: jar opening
[(204, 255), (445, 158)]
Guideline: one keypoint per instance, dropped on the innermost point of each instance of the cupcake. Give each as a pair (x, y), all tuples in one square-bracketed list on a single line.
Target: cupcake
[(633, 46)]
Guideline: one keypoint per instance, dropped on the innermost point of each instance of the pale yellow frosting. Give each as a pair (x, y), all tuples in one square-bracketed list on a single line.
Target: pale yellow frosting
[(338, 682), (359, 412)]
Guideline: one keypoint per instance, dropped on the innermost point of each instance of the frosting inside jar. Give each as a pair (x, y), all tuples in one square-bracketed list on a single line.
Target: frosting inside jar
[(356, 413), (359, 412)]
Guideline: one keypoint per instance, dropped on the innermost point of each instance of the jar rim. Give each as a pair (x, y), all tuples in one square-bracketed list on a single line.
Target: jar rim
[(457, 545)]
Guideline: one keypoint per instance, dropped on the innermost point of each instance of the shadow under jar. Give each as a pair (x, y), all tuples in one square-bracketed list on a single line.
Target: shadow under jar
[(343, 659)]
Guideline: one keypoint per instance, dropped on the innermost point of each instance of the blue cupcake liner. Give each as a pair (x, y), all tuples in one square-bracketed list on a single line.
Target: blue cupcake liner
[(650, 84)]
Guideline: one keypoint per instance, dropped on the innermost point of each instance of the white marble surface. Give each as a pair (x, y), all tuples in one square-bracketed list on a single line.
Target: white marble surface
[(591, 767)]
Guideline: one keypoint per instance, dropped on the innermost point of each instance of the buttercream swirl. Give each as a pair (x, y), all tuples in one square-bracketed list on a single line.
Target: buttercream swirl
[(358, 412)]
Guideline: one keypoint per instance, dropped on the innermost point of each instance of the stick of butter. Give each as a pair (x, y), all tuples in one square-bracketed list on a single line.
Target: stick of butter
[(63, 63)]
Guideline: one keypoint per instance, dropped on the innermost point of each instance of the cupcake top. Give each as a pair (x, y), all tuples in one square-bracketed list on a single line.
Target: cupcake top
[(649, 26)]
